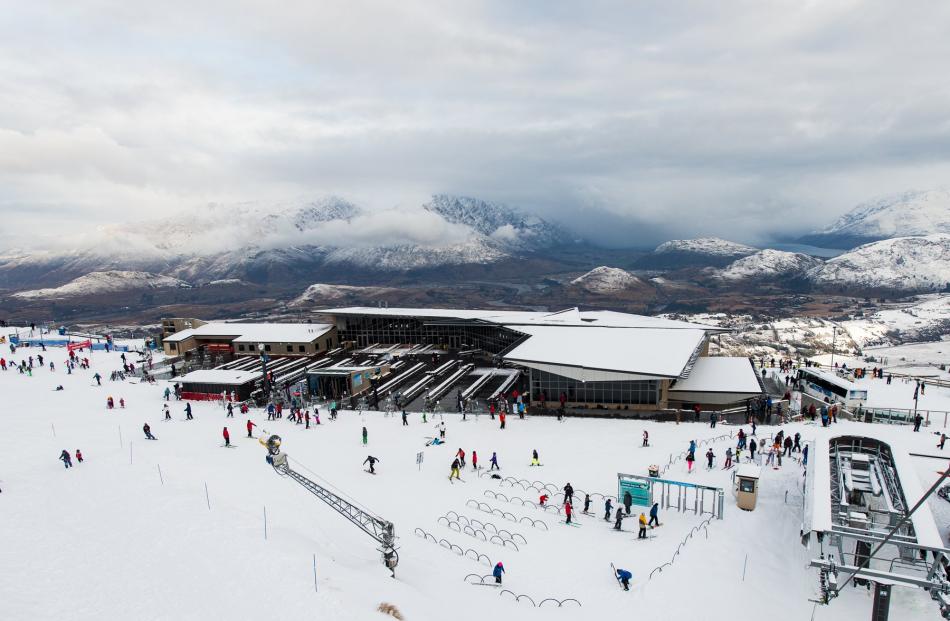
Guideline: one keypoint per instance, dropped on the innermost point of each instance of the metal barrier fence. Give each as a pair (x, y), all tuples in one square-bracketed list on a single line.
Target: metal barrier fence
[(704, 525)]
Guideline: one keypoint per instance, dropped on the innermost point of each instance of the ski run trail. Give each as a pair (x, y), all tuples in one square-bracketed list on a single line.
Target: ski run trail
[(129, 534)]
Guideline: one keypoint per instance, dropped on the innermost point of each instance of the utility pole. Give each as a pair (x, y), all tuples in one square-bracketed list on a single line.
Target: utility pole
[(834, 338)]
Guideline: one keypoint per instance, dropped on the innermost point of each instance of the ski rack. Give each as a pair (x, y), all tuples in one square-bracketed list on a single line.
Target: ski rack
[(379, 529)]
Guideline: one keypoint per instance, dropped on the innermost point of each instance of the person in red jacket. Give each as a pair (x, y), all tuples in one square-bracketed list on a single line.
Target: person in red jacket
[(227, 437), (568, 510), (78, 455), (250, 425), (474, 460)]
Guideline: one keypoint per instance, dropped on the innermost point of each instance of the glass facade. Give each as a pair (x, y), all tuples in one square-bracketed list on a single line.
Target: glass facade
[(641, 392), (367, 330)]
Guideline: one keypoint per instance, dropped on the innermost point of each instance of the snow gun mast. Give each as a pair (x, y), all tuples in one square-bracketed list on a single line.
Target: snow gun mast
[(379, 529)]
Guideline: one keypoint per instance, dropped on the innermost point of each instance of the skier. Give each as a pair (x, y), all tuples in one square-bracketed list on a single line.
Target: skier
[(654, 514), (98, 379), (608, 507), (250, 426), (168, 414), (306, 416), (78, 455), (455, 470), (943, 440), (442, 430), (543, 499), (148, 432), (568, 494), (627, 501), (497, 572), (230, 410), (787, 446), (805, 456), (586, 503), (501, 419), (66, 459), (474, 460), (618, 518), (646, 438), (643, 526), (109, 402), (797, 448), (568, 510), (188, 415), (534, 458), (405, 419), (460, 455), (372, 463), (752, 451), (365, 436), (494, 461), (227, 437), (918, 419), (624, 577), (122, 403), (168, 393), (690, 458)]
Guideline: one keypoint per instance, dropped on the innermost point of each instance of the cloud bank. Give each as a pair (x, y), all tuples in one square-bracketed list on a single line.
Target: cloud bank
[(629, 122)]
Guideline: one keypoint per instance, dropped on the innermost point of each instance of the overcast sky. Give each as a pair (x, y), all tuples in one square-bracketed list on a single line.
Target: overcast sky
[(629, 121)]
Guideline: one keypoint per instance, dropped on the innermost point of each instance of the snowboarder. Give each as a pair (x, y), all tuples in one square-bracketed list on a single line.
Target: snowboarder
[(534, 458), (608, 507), (497, 572), (148, 432), (372, 463), (654, 514), (78, 455), (66, 459), (250, 426), (188, 415), (494, 461), (568, 510), (365, 436), (455, 470), (624, 577), (643, 526), (568, 494), (227, 437)]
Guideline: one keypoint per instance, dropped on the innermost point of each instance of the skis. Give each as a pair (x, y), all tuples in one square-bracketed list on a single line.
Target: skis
[(228, 446), (488, 584), (368, 472), (565, 522)]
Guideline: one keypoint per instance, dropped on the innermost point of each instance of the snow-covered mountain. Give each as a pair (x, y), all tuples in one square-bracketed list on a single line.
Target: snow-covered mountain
[(96, 283), (699, 252), (768, 264), (292, 240), (901, 264), (912, 213), (321, 294), (606, 280)]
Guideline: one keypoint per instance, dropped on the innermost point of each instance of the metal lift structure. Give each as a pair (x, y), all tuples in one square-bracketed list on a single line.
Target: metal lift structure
[(868, 524), (376, 527)]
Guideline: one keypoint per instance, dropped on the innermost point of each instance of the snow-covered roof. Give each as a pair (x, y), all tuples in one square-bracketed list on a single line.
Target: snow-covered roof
[(255, 332), (748, 471), (720, 374), (566, 317), (228, 377), (643, 352)]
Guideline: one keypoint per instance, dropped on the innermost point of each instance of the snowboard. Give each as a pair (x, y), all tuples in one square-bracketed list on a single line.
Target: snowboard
[(368, 472)]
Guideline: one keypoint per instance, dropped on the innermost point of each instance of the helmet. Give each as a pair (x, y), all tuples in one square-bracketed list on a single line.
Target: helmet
[(273, 444)]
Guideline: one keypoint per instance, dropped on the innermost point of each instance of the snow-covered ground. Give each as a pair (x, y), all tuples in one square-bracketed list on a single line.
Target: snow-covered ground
[(112, 281), (110, 539)]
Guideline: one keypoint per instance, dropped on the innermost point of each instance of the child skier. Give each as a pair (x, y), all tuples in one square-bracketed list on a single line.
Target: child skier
[(586, 503), (494, 461), (227, 437), (497, 572), (168, 414), (690, 458), (624, 577), (188, 415), (78, 455), (608, 507), (643, 526), (534, 458), (474, 460), (568, 510), (250, 426)]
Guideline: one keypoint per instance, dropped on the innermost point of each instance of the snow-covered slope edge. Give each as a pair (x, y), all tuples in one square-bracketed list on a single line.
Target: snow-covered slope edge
[(95, 283)]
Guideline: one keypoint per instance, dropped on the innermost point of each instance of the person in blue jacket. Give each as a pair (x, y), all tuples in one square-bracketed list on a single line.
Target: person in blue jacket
[(624, 577), (497, 572)]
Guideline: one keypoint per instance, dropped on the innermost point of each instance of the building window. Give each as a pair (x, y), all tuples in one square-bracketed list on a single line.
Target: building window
[(301, 348), (266, 347), (240, 347), (290, 349), (173, 346)]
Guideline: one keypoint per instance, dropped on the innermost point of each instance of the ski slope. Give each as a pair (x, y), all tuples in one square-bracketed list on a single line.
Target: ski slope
[(110, 539)]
